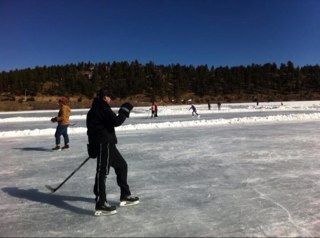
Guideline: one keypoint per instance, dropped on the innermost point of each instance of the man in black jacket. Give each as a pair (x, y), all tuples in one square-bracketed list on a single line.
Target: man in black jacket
[(101, 121)]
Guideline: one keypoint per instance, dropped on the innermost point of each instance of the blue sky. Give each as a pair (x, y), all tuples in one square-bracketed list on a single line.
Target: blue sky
[(188, 32)]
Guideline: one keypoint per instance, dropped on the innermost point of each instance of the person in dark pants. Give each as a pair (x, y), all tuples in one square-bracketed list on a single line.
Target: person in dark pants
[(101, 123), (219, 105), (194, 111)]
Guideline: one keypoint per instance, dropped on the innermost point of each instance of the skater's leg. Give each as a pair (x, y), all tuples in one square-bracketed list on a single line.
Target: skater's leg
[(121, 169), (65, 135), (58, 134), (101, 172), (103, 208)]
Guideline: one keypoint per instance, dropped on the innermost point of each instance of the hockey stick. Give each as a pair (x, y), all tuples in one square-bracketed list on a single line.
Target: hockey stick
[(55, 189)]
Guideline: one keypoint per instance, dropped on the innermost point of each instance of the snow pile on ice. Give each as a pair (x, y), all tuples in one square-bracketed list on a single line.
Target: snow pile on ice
[(175, 124)]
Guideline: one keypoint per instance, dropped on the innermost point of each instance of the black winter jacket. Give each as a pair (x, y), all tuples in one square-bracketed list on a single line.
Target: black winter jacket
[(101, 121)]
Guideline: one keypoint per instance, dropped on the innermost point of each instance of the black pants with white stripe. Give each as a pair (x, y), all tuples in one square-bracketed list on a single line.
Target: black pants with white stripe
[(110, 156)]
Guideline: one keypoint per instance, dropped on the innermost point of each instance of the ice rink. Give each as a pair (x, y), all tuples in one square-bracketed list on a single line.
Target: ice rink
[(231, 180)]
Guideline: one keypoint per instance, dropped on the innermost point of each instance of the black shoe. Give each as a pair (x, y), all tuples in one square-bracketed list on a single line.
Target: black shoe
[(57, 148), (128, 201), (66, 147), (105, 209)]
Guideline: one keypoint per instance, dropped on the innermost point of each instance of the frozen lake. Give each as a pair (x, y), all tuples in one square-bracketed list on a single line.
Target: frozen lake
[(231, 179)]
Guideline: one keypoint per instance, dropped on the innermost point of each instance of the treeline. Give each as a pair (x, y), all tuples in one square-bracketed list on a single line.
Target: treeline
[(126, 79)]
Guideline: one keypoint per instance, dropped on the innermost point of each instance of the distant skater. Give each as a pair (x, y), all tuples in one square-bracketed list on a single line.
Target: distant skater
[(154, 110), (219, 105), (194, 111)]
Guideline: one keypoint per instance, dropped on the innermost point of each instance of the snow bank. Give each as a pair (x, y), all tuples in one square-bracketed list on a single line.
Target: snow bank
[(175, 124), (298, 114)]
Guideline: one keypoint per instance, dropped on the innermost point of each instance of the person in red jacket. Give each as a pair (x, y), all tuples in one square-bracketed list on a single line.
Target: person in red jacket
[(154, 110), (63, 120)]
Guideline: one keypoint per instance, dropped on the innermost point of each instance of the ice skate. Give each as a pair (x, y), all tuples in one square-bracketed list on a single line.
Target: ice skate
[(66, 147), (128, 201), (105, 209), (57, 148)]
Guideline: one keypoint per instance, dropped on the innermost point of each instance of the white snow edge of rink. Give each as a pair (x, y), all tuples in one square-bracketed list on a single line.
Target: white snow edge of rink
[(176, 124), (144, 112)]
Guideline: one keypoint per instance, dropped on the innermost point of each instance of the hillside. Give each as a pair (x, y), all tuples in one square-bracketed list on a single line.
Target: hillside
[(45, 102), (140, 84)]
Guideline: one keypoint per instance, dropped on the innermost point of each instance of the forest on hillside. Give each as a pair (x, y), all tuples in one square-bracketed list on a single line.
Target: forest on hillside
[(167, 82)]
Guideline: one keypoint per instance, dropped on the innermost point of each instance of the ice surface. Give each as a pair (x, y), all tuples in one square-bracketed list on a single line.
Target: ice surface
[(256, 177)]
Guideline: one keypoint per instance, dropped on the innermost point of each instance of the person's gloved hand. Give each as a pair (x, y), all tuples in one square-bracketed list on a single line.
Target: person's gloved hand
[(125, 109), (53, 119)]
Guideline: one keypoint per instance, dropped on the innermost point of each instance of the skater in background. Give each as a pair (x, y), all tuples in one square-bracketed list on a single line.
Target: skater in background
[(209, 105), (219, 105), (101, 123), (154, 110), (63, 123), (194, 110)]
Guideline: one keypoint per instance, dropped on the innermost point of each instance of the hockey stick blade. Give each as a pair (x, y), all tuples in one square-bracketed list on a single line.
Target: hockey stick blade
[(50, 188), (64, 181)]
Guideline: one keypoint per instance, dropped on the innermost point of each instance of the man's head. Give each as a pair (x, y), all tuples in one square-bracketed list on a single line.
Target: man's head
[(105, 95)]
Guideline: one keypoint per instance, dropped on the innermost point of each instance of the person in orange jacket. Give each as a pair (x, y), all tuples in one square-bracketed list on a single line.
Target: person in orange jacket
[(63, 123)]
